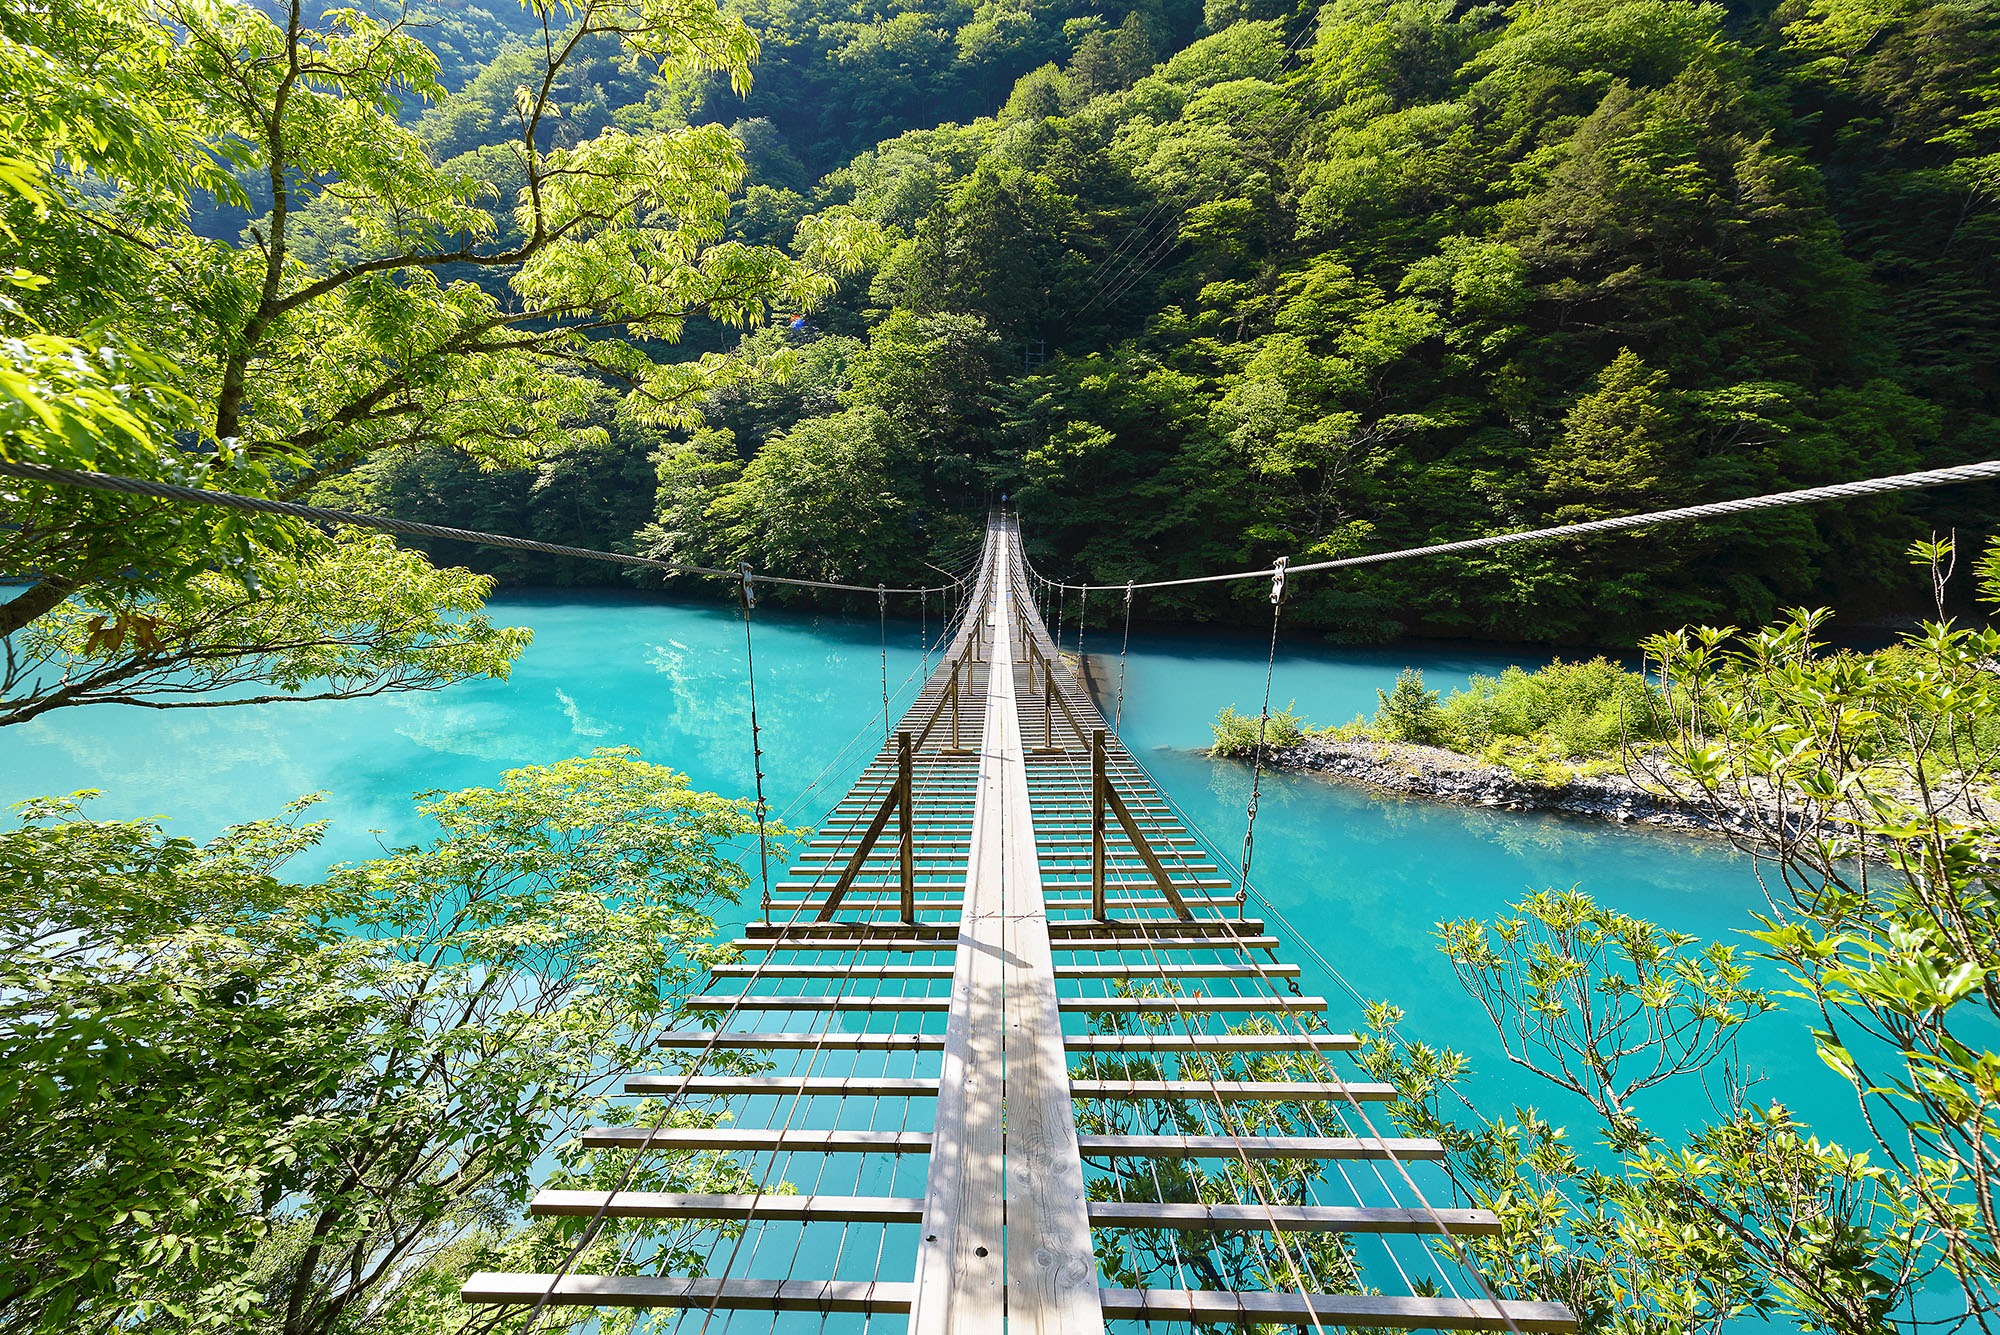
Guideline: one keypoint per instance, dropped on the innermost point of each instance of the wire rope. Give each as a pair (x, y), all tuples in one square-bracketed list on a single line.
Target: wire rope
[(409, 528), (1877, 486)]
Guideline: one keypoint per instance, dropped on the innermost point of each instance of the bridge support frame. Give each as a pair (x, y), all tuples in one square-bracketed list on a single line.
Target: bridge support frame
[(900, 801)]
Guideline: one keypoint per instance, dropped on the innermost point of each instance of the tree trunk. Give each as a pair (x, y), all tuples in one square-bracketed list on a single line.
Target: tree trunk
[(45, 595)]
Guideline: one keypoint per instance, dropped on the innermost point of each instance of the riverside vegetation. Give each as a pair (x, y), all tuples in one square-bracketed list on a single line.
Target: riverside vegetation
[(1454, 268)]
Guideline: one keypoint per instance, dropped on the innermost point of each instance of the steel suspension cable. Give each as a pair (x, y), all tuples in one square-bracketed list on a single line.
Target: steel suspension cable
[(1878, 486), (230, 500)]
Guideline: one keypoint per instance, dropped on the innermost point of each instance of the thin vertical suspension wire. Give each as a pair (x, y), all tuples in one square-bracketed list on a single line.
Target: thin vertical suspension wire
[(1118, 713), (1263, 725), (882, 616), (747, 595), (1082, 663)]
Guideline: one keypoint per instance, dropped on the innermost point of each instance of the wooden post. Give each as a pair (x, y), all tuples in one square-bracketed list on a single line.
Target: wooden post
[(904, 802), (1048, 706), (1097, 910), (955, 744)]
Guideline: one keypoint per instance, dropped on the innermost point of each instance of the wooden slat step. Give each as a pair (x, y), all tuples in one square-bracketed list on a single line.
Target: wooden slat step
[(742, 1138), (1230, 943), (1241, 1090), (1145, 970), (1219, 1308), (888, 928), (842, 969), (794, 1039), (1258, 1147), (772, 1001), (1211, 1042), (1288, 1218), (857, 944), (1158, 929), (757, 1295), (854, 1086), (1147, 1005), (1115, 901), (681, 1205)]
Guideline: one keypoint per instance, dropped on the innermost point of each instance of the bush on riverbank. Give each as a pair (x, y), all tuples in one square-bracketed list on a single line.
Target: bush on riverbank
[(1545, 725), (1236, 734)]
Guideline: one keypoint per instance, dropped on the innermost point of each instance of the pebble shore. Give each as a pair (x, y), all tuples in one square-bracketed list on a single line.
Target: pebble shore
[(1446, 776)]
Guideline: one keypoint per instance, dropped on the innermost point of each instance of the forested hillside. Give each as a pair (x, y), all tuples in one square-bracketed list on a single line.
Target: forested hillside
[(1320, 281)]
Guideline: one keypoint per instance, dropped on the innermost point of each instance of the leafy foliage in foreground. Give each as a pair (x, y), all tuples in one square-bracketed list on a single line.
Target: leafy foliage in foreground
[(238, 1103), (505, 304), (1864, 783)]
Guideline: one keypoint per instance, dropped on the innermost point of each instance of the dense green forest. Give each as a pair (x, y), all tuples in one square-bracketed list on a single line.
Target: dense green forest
[(1200, 290)]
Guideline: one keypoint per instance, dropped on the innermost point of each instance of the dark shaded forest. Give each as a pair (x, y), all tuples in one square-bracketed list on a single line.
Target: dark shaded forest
[(1198, 290)]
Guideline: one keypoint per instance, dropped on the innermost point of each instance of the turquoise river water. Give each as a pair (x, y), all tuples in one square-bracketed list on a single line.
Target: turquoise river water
[(1364, 878)]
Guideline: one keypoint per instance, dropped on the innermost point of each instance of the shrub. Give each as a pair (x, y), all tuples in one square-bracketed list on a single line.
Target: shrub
[(1236, 734), (1410, 713)]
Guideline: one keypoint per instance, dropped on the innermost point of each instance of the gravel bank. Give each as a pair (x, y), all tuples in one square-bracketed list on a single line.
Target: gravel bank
[(1446, 776)]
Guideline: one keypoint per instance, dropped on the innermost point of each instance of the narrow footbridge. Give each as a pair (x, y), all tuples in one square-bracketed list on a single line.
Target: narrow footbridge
[(1006, 1050)]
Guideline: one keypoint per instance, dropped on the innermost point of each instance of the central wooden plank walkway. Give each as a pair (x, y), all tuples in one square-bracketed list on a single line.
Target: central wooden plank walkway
[(1004, 961)]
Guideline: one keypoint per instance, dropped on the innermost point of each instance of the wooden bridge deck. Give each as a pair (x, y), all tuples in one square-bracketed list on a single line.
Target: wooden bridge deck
[(1005, 964)]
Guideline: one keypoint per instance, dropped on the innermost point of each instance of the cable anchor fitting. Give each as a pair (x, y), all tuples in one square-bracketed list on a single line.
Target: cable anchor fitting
[(749, 589), (1277, 582)]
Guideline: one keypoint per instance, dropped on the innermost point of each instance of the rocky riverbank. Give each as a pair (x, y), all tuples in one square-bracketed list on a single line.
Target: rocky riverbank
[(1446, 776)]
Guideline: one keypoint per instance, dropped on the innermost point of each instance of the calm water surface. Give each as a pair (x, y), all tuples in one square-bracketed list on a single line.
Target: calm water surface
[(1363, 878)]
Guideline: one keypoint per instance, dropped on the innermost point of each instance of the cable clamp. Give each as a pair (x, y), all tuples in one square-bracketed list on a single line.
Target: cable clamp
[(882, 596), (1277, 581), (749, 584)]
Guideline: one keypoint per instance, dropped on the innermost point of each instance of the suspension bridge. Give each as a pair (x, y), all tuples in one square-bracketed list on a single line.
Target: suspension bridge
[(1005, 1046), (1013, 1016)]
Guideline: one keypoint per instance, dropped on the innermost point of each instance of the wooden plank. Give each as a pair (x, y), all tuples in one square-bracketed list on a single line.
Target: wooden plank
[(1259, 1147), (851, 943), (1211, 1042), (742, 1138), (859, 972), (875, 828), (1234, 944), (1292, 1091), (684, 1205), (1141, 970), (1288, 1218), (793, 1040), (848, 1086), (737, 1295), (1218, 1308), (1156, 929), (776, 1001), (1051, 1264), (889, 929), (1152, 1005)]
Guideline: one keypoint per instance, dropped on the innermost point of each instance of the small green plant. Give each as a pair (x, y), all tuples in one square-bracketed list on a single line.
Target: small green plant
[(1236, 733), (1410, 713)]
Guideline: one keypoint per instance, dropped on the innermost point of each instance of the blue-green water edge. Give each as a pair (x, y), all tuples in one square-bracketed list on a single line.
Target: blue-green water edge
[(1364, 878)]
